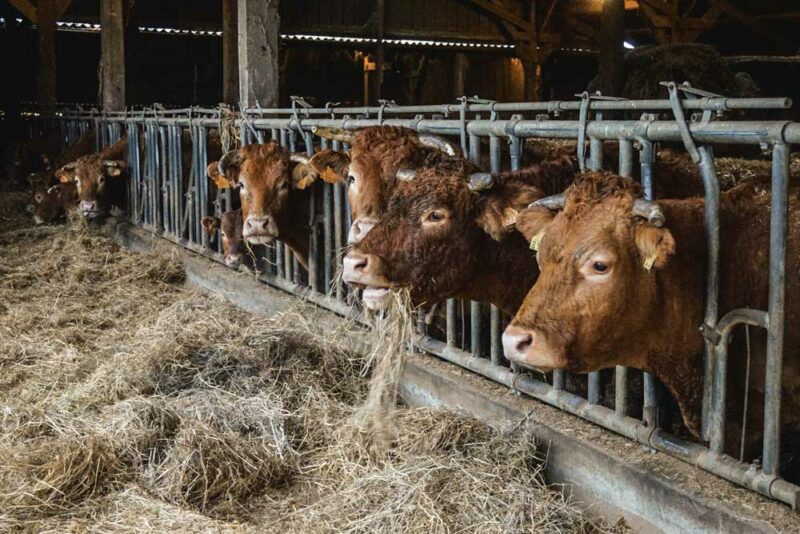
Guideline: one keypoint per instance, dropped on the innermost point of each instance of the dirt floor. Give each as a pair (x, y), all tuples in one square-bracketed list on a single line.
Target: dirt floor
[(129, 403)]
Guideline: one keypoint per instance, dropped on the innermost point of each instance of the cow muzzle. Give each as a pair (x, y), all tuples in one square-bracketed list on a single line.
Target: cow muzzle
[(260, 230), (233, 260), (90, 209), (359, 229), (529, 348), (365, 270)]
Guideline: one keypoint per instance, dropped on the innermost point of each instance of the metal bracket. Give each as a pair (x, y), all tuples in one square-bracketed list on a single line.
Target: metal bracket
[(383, 105), (710, 333), (683, 127)]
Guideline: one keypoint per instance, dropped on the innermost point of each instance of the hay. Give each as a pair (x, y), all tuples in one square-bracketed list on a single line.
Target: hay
[(131, 404)]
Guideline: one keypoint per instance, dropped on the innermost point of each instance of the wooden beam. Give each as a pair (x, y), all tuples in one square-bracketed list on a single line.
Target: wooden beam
[(112, 56), (230, 53), (259, 39), (503, 14), (612, 51), (460, 68), (582, 28), (46, 39), (61, 7), (376, 76), (25, 7)]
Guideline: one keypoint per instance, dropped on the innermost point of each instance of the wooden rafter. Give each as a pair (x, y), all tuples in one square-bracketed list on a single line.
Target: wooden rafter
[(25, 7), (503, 14)]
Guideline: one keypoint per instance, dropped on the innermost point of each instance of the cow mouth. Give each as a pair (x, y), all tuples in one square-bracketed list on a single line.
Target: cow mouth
[(260, 239), (376, 298), (94, 214)]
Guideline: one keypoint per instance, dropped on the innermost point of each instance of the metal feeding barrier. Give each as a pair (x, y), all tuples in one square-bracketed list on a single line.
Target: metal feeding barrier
[(171, 202)]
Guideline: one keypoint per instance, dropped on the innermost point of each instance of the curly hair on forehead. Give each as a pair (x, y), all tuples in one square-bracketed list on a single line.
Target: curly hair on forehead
[(592, 188)]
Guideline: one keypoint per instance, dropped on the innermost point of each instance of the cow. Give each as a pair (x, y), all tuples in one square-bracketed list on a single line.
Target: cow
[(448, 232), (622, 280), (53, 203), (274, 192), (98, 178), (369, 169), (230, 231)]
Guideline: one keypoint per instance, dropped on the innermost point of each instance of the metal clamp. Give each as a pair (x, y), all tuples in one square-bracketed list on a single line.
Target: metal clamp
[(383, 104), (683, 127)]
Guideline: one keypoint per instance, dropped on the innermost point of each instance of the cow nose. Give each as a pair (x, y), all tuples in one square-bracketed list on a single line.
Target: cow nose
[(260, 225), (233, 260), (356, 267), (517, 342), (359, 229), (88, 206)]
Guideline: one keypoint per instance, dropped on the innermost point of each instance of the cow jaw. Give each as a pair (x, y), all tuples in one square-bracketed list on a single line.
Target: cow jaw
[(376, 298)]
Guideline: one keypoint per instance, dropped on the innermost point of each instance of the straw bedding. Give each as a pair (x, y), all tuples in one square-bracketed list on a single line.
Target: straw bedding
[(129, 403)]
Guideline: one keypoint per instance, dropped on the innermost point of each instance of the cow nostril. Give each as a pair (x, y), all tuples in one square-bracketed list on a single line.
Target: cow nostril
[(362, 264), (524, 343)]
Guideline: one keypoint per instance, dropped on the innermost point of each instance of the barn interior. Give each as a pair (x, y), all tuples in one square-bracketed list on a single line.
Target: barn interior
[(152, 378)]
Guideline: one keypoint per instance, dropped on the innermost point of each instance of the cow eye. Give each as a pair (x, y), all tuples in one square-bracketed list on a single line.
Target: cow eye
[(351, 180), (284, 186), (100, 180), (600, 267), (436, 216), (222, 233)]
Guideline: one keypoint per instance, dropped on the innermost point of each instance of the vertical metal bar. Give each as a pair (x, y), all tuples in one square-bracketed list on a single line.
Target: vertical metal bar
[(475, 328), (595, 163), (620, 372), (450, 321), (776, 312), (495, 334), (314, 244), (203, 180), (327, 227)]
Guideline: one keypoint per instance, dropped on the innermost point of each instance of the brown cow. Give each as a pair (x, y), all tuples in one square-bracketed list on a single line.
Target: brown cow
[(616, 288), (51, 204), (447, 233), (273, 188), (230, 231), (369, 170), (97, 177)]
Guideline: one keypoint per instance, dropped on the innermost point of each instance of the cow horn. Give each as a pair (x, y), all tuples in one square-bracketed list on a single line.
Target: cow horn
[(650, 211), (230, 159), (553, 202), (333, 134), (406, 174), (439, 143), (480, 181), (299, 157)]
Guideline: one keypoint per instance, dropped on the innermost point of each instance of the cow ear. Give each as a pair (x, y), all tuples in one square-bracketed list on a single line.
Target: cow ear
[(303, 176), (211, 224), (222, 182), (500, 206), (330, 165), (113, 167), (66, 173), (532, 223), (655, 245)]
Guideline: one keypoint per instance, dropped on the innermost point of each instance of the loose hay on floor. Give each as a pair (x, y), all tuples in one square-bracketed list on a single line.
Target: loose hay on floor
[(131, 404)]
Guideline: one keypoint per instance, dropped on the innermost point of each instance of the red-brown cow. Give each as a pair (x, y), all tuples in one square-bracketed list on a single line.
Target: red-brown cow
[(370, 168), (273, 188), (617, 288), (53, 203), (447, 233), (97, 177), (230, 227)]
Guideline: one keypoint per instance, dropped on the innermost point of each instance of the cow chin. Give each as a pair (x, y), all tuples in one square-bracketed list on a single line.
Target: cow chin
[(90, 215), (259, 239), (376, 298)]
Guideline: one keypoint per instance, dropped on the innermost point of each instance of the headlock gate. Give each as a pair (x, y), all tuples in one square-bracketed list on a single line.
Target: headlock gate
[(163, 202)]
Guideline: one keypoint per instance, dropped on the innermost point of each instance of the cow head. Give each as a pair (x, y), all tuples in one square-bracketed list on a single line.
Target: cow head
[(230, 231), (92, 175), (435, 232), (597, 288), (369, 170), (270, 180), (48, 205)]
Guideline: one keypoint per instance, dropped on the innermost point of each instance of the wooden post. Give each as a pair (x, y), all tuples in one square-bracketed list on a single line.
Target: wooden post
[(460, 67), (259, 38), (112, 57), (230, 53), (46, 12), (612, 50)]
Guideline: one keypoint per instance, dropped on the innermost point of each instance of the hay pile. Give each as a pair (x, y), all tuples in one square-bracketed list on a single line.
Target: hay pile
[(131, 404)]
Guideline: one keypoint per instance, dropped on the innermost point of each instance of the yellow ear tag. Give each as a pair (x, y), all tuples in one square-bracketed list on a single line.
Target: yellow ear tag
[(329, 175), (536, 241), (649, 261), (509, 217)]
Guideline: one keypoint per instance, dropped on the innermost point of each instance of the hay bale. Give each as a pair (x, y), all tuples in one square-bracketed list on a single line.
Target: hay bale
[(701, 65)]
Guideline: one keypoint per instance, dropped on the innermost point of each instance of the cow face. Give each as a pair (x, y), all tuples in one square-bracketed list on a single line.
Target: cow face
[(268, 178), (597, 287), (435, 232), (51, 204), (230, 230), (92, 177), (369, 170)]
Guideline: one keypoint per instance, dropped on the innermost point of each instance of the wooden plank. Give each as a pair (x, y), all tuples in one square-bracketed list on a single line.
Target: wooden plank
[(501, 13), (26, 8), (259, 39), (112, 57), (46, 38), (230, 53)]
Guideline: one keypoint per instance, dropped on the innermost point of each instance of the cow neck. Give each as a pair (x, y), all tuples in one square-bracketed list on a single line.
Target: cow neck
[(675, 353), (504, 272), (295, 231)]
